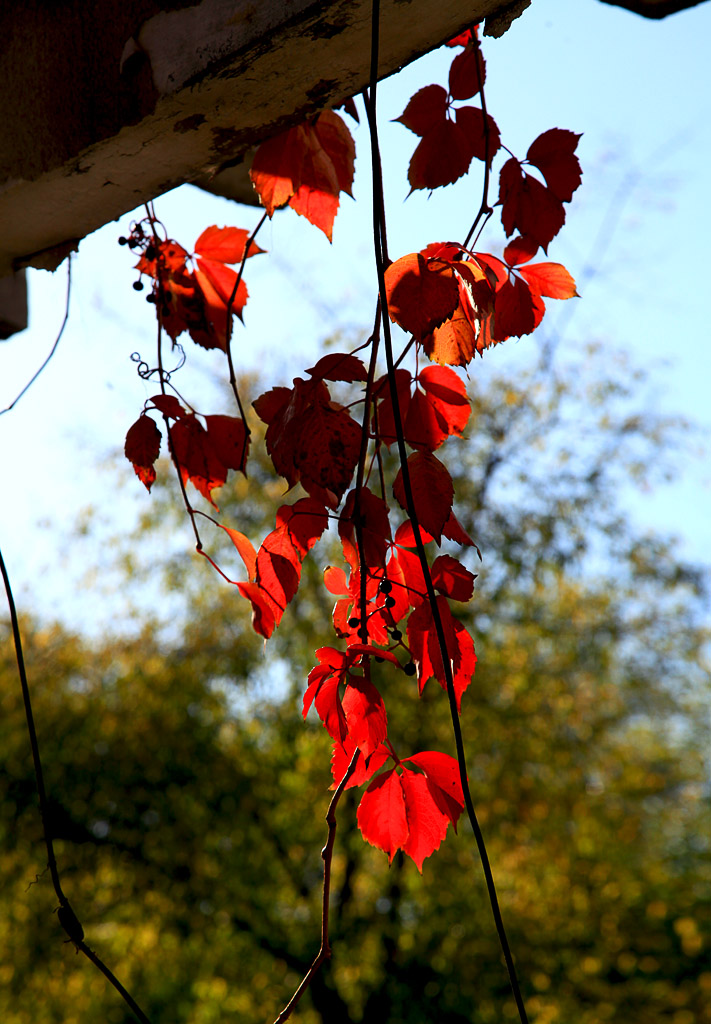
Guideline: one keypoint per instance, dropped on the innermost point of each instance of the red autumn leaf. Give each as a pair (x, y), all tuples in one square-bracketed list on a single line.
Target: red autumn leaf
[(382, 818), (168, 405), (442, 156), (447, 392), (372, 513), (350, 108), (339, 366), (520, 250), (365, 767), (410, 568), (457, 340), (322, 690), (222, 280), (427, 824), (311, 439), (169, 258), (517, 310), (366, 719), (384, 418), (432, 491), (424, 427), (230, 440), (245, 548), (528, 206), (263, 621), (442, 774), (553, 153), (454, 530), (464, 38), (225, 244), (410, 811), (278, 570), (142, 448), (550, 279), (196, 456), (467, 74), (209, 330), (426, 110), (421, 294), (405, 535), (305, 521), (452, 579), (471, 121), (307, 167), (424, 645)]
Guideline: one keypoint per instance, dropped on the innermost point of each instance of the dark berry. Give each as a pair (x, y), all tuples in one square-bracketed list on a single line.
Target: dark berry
[(150, 298), (409, 669), (396, 634), (389, 602), (353, 623), (123, 241), (132, 243), (138, 286), (379, 660), (150, 253), (385, 586)]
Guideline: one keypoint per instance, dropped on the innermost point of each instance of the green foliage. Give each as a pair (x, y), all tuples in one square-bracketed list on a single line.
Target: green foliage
[(188, 797)]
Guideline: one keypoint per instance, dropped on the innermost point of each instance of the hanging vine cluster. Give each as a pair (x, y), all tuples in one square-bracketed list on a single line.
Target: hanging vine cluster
[(393, 592)]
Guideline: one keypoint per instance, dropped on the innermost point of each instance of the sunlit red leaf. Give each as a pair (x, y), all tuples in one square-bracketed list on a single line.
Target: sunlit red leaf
[(448, 394), (365, 768), (553, 153), (517, 310), (222, 280), (196, 456), (452, 578), (442, 774), (421, 294), (225, 244), (442, 156), (381, 814), (432, 491), (142, 448), (454, 530), (464, 38), (384, 420), (366, 719), (263, 621), (520, 250), (322, 691), (372, 514), (308, 167), (424, 645), (245, 548), (426, 822), (550, 279)]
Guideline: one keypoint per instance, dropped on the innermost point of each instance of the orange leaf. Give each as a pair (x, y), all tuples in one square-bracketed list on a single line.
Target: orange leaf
[(421, 294), (551, 279), (225, 244)]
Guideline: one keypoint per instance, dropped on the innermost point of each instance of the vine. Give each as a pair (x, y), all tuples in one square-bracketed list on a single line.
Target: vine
[(393, 609)]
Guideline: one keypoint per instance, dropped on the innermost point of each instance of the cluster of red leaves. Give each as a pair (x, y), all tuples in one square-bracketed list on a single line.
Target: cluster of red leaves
[(306, 167), (451, 137), (392, 605), (193, 293), (203, 453)]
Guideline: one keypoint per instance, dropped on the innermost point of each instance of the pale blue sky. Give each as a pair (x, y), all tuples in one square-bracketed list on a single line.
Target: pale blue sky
[(639, 92)]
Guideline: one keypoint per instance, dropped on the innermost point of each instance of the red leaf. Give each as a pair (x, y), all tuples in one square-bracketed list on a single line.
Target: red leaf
[(465, 78), (405, 535), (225, 244), (230, 440), (454, 530), (381, 814), (464, 38), (222, 280), (551, 279), (169, 406), (516, 309), (452, 579), (424, 645), (245, 548), (520, 250), (442, 156), (432, 491), (375, 523), (424, 427), (528, 206), (306, 166), (426, 822), (442, 774), (421, 294), (278, 570), (322, 690), (196, 456), (553, 153), (385, 419), (365, 768), (426, 110), (471, 121), (263, 621), (142, 448), (448, 394), (305, 521), (365, 714), (339, 366)]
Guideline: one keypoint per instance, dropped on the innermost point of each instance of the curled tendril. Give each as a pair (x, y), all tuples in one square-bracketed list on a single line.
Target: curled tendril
[(146, 373)]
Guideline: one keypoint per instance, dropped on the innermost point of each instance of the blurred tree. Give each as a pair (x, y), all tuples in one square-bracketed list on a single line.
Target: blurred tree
[(188, 797)]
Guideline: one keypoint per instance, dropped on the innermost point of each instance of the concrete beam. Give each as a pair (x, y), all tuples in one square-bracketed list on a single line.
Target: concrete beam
[(106, 105)]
